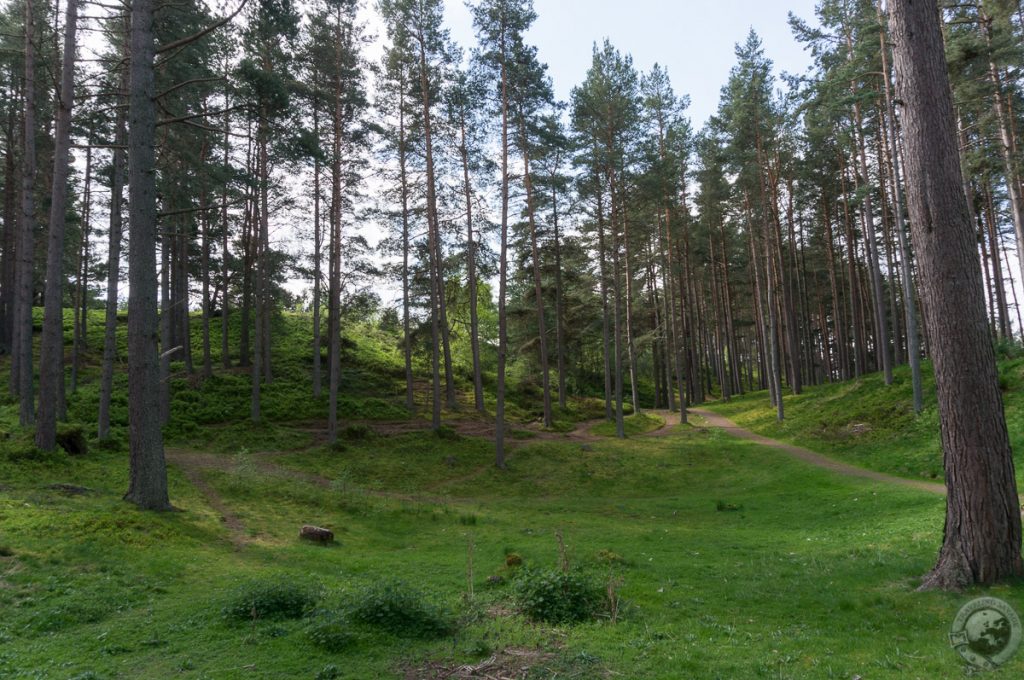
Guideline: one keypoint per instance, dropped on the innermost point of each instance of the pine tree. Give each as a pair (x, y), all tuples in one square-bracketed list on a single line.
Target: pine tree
[(147, 467), (982, 537)]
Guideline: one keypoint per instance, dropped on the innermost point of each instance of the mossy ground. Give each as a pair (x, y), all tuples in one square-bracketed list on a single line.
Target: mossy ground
[(733, 561), (640, 423), (868, 423)]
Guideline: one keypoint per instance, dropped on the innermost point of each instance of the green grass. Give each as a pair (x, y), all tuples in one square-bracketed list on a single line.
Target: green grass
[(729, 560), (871, 424), (812, 577), (631, 425)]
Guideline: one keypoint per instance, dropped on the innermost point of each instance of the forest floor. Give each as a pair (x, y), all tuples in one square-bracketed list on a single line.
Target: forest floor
[(742, 549), (812, 458), (733, 559)]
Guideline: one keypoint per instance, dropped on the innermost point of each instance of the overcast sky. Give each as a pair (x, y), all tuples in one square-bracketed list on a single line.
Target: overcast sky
[(694, 40)]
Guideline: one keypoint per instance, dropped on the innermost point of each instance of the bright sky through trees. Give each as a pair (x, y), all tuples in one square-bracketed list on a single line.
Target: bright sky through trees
[(693, 40)]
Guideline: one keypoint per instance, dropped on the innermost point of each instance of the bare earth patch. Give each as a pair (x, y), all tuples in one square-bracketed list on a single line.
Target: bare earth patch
[(514, 663)]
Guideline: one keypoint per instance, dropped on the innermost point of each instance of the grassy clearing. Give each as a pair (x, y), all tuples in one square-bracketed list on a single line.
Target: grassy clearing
[(639, 423), (730, 561), (867, 423), (723, 559)]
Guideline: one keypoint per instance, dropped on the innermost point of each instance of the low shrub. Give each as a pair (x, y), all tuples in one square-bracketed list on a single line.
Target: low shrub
[(399, 609), (330, 630), (447, 433), (356, 432), (328, 672), (275, 598), (71, 438), (555, 596)]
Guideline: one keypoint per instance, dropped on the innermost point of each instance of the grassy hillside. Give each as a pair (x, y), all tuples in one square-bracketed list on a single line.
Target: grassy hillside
[(215, 412), (871, 424), (689, 554), (731, 561)]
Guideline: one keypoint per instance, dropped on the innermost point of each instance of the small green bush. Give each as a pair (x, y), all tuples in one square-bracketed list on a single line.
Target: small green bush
[(447, 433), (276, 598), (399, 609), (328, 672), (357, 432), (554, 596), (330, 630), (71, 438)]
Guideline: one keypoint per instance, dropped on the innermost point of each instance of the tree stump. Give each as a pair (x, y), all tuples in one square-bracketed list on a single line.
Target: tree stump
[(316, 534)]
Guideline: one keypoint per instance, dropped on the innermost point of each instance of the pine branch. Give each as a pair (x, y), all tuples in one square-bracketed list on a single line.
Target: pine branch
[(206, 31)]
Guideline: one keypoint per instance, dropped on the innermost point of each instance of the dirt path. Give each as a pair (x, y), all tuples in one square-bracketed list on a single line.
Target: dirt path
[(192, 469), (816, 459)]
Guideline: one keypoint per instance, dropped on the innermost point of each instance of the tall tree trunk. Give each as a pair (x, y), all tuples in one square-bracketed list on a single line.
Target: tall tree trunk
[(263, 267), (318, 242), (474, 321), (559, 291), (204, 226), (410, 403), (147, 468), (1013, 184), (113, 264), (8, 258), (667, 308), (181, 307), (620, 430), (606, 342), (909, 307), (166, 343), (81, 286), (437, 287), (630, 345), (859, 335), (247, 261), (791, 331), (838, 317), (982, 537), (1005, 327), (877, 289), (334, 267), (225, 353), (499, 433), (446, 344), (26, 239), (260, 273), (51, 355), (538, 290), (669, 283)]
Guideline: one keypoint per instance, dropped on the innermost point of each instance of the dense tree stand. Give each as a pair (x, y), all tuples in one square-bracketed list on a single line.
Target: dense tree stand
[(982, 537)]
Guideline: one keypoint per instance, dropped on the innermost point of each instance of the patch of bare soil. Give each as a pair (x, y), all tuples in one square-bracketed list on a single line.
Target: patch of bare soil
[(514, 663)]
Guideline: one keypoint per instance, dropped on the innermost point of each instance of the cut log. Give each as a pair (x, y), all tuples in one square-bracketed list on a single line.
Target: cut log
[(316, 534)]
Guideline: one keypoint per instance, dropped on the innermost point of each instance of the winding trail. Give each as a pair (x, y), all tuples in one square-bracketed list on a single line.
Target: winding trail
[(194, 463), (191, 465), (816, 459)]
